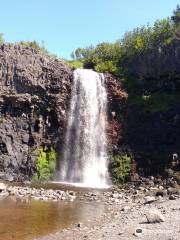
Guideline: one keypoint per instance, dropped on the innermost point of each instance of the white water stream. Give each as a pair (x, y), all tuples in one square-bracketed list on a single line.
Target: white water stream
[(85, 156)]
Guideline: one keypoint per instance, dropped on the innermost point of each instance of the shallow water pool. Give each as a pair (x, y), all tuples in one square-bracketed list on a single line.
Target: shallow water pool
[(26, 219)]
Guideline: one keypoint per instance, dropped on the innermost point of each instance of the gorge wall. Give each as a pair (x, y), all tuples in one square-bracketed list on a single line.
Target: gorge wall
[(35, 91)]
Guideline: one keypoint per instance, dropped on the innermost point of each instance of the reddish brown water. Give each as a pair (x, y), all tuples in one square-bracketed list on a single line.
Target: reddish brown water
[(25, 220)]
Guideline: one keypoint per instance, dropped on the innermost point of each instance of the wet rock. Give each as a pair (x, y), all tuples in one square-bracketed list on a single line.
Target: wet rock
[(154, 216)]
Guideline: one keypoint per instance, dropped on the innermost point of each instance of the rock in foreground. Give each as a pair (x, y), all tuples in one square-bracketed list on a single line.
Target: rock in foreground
[(154, 216)]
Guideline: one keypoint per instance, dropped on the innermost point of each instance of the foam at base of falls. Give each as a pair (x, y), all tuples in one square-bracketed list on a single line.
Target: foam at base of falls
[(83, 185), (85, 157)]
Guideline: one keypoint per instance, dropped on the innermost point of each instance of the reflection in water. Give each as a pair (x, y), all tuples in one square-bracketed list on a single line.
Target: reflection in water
[(24, 219)]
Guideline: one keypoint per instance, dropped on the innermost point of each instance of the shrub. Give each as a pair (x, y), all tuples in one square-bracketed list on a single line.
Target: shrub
[(46, 164), (74, 64), (35, 45), (120, 167), (107, 66)]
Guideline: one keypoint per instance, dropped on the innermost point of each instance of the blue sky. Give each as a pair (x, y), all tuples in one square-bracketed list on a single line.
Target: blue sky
[(65, 25)]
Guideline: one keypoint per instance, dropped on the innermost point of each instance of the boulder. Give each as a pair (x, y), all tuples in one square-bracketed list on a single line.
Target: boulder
[(2, 187), (149, 199), (154, 216)]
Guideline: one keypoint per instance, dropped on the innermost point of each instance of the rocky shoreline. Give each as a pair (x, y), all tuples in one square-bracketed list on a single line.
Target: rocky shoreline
[(133, 212), (149, 210), (129, 224), (37, 194), (148, 190)]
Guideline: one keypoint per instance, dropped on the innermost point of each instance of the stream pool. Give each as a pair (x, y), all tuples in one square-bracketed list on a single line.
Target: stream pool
[(26, 219)]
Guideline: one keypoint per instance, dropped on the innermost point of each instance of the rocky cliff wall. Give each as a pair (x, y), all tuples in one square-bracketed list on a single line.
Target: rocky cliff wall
[(156, 63), (34, 95), (35, 90), (154, 140)]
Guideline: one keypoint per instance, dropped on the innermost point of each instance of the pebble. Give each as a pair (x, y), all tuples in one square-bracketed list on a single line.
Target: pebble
[(79, 225), (125, 208), (138, 232)]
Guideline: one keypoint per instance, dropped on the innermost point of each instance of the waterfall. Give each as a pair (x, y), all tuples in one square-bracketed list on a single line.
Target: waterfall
[(85, 157)]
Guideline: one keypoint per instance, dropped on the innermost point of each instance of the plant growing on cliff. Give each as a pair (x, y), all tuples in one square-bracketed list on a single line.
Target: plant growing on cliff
[(35, 45), (46, 164), (1, 38), (120, 167)]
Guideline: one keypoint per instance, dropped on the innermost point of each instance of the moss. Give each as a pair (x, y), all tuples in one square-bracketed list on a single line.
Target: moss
[(46, 164), (120, 167)]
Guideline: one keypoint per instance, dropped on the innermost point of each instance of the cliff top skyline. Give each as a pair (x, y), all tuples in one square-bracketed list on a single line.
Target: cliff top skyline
[(63, 26)]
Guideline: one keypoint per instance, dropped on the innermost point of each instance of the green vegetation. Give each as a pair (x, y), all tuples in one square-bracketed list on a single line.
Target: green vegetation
[(123, 58), (120, 167), (108, 57), (1, 38), (156, 102), (103, 58), (46, 164), (35, 45), (75, 64), (176, 20)]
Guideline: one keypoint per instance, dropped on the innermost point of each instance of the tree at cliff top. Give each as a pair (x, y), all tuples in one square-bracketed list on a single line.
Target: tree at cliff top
[(146, 57), (108, 57), (103, 58), (176, 19)]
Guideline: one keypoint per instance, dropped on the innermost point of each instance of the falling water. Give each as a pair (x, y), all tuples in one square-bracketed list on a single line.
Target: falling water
[(85, 156)]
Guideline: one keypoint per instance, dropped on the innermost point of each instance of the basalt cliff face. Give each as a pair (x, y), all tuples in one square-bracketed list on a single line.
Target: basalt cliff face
[(34, 95), (35, 92)]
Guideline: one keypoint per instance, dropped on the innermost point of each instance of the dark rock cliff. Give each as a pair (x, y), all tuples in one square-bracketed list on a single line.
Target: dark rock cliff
[(34, 92), (154, 140), (156, 63)]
